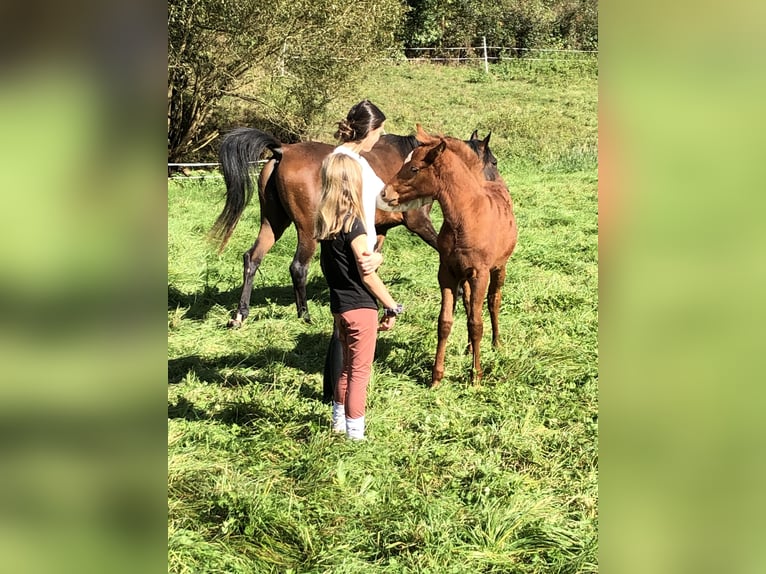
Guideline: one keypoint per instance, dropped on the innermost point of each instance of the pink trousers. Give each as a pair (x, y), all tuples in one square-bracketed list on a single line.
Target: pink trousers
[(358, 333)]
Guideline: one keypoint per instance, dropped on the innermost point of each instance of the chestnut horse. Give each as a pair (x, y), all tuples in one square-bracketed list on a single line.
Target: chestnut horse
[(475, 241), (289, 187)]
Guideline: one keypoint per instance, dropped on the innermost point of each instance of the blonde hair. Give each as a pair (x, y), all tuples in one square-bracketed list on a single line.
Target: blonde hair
[(340, 203)]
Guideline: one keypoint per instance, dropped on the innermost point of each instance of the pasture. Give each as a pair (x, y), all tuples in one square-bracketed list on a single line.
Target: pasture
[(496, 478)]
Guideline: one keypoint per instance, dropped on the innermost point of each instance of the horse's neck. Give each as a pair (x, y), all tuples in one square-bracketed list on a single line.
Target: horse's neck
[(402, 144), (457, 190)]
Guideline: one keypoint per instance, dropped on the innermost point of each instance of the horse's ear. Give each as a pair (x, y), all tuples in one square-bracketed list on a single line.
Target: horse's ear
[(435, 152), (420, 134), (486, 139), (424, 137), (474, 135)]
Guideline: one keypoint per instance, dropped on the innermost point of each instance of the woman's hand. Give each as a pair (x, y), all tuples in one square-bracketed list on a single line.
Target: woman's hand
[(387, 322), (369, 262)]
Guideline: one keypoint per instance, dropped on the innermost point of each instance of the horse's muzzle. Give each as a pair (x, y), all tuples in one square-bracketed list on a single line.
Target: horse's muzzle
[(385, 201)]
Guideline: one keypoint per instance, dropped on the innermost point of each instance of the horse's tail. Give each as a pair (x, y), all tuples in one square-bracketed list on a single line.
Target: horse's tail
[(239, 149)]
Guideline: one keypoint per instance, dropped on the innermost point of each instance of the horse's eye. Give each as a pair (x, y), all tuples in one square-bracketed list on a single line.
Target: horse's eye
[(414, 169)]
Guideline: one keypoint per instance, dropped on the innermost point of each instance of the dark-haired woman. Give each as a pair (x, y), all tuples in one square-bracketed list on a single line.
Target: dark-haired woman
[(358, 132)]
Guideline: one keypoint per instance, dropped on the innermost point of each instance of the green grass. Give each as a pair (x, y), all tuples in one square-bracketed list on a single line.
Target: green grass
[(542, 115), (499, 478)]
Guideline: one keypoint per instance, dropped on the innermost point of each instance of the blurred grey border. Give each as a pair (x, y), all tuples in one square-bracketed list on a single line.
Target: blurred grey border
[(681, 276), (83, 224)]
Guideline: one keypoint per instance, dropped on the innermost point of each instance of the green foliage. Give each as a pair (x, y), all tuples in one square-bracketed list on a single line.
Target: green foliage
[(279, 66), (286, 59), (517, 24), (207, 56), (499, 478)]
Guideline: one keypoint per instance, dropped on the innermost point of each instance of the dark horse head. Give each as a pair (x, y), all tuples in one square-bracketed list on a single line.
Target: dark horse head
[(481, 148)]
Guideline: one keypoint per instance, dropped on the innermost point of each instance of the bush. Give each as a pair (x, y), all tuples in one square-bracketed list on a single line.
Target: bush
[(286, 60)]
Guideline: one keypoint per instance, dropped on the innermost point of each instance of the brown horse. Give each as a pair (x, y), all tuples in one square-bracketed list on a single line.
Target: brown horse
[(289, 188), (475, 241)]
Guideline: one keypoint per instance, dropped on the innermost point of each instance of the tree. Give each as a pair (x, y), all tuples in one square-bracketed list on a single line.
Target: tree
[(286, 59), (516, 24)]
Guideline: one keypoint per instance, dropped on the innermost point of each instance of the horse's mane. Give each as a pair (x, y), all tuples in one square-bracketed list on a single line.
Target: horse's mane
[(466, 152), (403, 144), (474, 145)]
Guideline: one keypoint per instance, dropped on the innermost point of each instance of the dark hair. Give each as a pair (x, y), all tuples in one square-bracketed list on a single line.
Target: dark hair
[(360, 121)]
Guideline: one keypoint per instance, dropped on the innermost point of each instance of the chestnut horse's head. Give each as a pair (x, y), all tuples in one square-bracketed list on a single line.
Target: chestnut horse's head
[(479, 146), (415, 184)]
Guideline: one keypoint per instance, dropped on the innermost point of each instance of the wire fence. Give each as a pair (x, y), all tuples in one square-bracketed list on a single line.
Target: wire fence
[(182, 173), (480, 54), (494, 54)]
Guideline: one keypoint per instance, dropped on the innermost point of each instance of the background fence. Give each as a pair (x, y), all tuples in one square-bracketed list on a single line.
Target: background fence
[(487, 54)]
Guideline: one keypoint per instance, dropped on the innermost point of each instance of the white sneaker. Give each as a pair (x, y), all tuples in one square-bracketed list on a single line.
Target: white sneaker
[(355, 428), (338, 418)]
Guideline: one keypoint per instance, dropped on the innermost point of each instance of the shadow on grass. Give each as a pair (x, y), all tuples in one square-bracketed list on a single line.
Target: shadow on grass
[(231, 370), (242, 413), (408, 359), (200, 303), (307, 356)]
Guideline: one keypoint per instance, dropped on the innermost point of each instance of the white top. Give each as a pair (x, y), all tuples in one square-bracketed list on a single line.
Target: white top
[(372, 185)]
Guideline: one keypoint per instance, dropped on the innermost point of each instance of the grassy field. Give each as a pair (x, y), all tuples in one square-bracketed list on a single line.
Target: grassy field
[(499, 478)]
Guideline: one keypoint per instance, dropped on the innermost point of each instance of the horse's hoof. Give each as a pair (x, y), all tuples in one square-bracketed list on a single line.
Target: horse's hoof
[(434, 384), (234, 324), (306, 318)]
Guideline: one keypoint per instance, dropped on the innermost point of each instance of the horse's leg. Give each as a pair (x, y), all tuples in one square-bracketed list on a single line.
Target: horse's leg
[(381, 237), (299, 269), (466, 289), (418, 221), (475, 322), (267, 236), (494, 295), (448, 286), (274, 221)]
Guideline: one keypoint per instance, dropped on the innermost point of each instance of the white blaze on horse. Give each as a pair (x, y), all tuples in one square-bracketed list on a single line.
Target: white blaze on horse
[(476, 239)]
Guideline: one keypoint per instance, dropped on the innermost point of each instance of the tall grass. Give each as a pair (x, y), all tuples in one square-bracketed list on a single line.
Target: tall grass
[(496, 478)]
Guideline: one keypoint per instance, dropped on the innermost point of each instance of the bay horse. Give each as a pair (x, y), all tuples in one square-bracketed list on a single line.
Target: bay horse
[(289, 187), (476, 239)]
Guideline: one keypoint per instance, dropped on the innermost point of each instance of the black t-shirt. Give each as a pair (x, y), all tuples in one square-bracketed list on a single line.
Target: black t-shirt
[(347, 291)]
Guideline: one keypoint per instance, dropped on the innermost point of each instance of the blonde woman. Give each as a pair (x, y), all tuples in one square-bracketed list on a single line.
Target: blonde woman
[(358, 132), (340, 229)]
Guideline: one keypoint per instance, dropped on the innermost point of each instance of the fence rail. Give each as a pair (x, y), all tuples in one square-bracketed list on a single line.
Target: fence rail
[(182, 176), (213, 164), (505, 48), (482, 54)]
